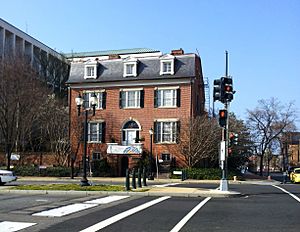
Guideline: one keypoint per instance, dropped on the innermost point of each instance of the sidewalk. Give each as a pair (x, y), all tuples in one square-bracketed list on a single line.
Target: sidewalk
[(153, 188)]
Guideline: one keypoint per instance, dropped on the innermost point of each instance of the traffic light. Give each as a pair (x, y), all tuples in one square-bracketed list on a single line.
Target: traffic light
[(222, 118), (218, 90), (227, 89), (233, 139)]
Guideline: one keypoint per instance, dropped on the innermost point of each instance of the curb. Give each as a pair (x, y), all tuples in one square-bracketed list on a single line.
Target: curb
[(196, 193)]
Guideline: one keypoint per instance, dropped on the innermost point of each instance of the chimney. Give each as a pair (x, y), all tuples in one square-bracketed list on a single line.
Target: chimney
[(177, 52), (113, 56)]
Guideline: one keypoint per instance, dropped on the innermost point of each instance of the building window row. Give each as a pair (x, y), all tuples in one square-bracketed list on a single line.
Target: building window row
[(130, 66), (134, 98), (165, 131)]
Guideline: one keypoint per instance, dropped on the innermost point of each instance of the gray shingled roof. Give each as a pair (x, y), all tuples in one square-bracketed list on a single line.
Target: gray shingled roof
[(148, 68)]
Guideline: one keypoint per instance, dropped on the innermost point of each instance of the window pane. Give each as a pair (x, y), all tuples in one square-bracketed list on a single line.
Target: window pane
[(86, 99), (93, 132), (167, 130), (131, 99), (129, 68), (90, 71), (167, 98), (166, 67)]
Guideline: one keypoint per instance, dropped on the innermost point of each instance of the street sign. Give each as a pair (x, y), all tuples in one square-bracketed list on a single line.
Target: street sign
[(222, 151)]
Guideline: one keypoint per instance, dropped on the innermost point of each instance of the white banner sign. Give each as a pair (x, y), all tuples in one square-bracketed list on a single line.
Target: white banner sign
[(118, 149)]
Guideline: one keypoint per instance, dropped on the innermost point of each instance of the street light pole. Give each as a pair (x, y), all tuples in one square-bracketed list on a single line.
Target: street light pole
[(79, 101), (150, 176)]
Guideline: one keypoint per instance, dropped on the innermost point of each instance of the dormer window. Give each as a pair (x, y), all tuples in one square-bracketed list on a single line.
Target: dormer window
[(167, 65), (130, 67), (90, 70)]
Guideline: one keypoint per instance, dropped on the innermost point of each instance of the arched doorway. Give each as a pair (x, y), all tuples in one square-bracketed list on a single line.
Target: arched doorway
[(124, 165), (130, 133)]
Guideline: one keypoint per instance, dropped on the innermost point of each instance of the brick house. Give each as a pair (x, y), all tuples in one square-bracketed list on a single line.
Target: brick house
[(139, 91)]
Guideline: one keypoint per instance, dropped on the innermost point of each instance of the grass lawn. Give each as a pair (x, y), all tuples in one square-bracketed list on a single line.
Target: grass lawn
[(70, 187)]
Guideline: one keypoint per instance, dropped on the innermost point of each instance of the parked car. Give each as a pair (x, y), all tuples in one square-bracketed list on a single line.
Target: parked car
[(6, 176), (295, 175)]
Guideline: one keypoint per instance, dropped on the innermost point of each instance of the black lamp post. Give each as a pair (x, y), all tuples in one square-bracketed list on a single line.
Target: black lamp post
[(150, 176), (79, 102)]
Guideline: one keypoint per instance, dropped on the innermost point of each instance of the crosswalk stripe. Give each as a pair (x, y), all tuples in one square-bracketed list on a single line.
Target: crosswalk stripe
[(9, 226), (187, 217), (106, 200), (65, 210), (118, 217), (69, 209)]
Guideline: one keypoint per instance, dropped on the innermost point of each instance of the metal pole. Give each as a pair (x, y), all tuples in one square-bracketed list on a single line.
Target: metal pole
[(84, 180), (150, 177)]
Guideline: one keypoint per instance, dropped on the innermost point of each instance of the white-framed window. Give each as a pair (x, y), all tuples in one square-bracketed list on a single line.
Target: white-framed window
[(166, 131), (130, 67), (96, 156), (90, 70), (167, 97), (166, 157), (101, 99), (167, 65), (96, 131), (133, 98)]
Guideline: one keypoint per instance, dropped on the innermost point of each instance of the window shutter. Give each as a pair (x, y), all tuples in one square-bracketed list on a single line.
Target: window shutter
[(120, 100), (137, 137), (178, 98), (177, 131), (104, 100), (155, 132), (142, 93), (103, 125), (123, 135), (155, 99)]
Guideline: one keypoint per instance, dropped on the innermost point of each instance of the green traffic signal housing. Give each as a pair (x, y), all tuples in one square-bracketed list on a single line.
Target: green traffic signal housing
[(217, 94)]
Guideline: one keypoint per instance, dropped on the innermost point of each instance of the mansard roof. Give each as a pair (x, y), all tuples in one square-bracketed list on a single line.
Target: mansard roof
[(148, 69)]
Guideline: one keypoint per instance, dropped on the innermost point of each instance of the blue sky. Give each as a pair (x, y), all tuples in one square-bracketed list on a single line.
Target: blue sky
[(262, 36)]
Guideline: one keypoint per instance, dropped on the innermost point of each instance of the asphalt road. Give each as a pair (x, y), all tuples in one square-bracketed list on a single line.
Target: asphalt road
[(260, 208)]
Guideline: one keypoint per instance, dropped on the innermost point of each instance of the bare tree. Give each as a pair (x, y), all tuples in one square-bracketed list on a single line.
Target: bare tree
[(21, 95), (199, 139), (55, 121), (267, 122)]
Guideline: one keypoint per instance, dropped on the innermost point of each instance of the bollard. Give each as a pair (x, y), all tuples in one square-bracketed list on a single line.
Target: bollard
[(144, 177), (269, 178), (133, 179), (234, 178), (182, 175), (127, 182), (139, 178)]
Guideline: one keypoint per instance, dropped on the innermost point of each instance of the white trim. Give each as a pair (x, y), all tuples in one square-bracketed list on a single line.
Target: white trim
[(92, 65), (167, 120), (185, 80), (130, 61), (94, 91), (167, 87), (167, 59), (131, 89)]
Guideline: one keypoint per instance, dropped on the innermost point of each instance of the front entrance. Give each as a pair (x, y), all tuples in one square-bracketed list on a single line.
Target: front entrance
[(124, 165), (130, 134)]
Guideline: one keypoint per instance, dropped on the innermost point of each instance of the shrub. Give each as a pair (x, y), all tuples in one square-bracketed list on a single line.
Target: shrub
[(205, 174), (49, 171)]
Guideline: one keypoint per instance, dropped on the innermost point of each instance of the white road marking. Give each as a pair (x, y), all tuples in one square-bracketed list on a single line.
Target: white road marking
[(64, 210), (106, 200), (69, 209), (8, 226), (285, 191), (165, 185), (187, 217), (127, 213)]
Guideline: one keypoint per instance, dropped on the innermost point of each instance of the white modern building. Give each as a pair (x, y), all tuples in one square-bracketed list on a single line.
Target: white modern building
[(49, 63)]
